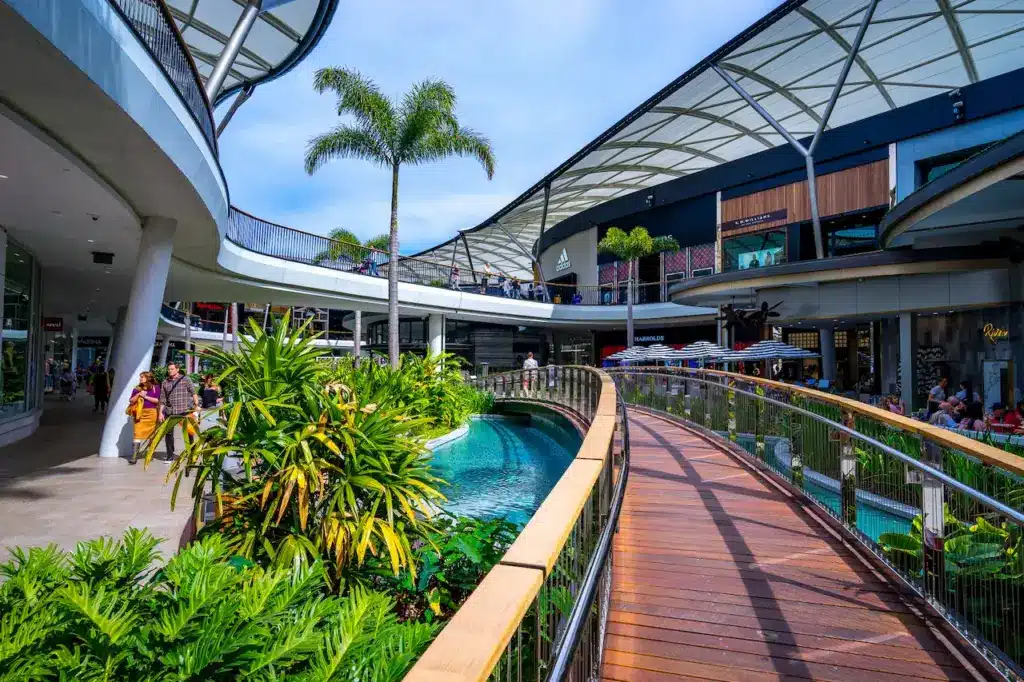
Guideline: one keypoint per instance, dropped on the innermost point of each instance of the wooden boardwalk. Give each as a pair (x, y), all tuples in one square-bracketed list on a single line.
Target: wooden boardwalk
[(718, 576)]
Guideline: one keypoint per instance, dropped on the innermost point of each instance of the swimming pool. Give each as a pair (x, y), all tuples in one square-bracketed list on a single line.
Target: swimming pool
[(505, 466)]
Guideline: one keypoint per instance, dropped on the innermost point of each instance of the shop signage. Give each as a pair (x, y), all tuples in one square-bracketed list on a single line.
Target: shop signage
[(995, 334), (53, 324), (769, 217), (654, 338), (93, 341), (563, 262)]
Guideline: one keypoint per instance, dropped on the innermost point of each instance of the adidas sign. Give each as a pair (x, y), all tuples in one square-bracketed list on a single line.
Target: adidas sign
[(563, 262)]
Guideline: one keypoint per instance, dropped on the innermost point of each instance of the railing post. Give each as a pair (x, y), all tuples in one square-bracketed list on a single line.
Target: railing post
[(934, 517), (848, 473), (760, 411), (730, 395), (686, 399), (796, 445)]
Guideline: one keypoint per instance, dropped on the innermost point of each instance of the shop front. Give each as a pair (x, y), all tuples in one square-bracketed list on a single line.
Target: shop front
[(21, 357), (612, 341)]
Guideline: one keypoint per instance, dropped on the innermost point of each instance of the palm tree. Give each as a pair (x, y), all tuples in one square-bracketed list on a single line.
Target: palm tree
[(344, 244), (630, 248), (422, 127)]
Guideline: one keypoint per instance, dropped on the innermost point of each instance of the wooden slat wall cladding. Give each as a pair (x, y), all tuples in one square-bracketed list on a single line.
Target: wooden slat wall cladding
[(841, 192)]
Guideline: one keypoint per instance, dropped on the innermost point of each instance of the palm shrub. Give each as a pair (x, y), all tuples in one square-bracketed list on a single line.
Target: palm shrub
[(299, 468), (421, 128), (432, 387), (105, 612)]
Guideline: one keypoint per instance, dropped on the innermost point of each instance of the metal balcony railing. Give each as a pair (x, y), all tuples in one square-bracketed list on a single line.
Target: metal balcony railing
[(270, 239), (153, 24)]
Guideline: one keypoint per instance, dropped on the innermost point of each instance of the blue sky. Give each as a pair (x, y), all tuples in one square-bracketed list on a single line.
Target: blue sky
[(540, 79)]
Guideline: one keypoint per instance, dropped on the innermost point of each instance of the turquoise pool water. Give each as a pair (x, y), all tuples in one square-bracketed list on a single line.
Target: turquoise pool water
[(505, 467), (873, 517)]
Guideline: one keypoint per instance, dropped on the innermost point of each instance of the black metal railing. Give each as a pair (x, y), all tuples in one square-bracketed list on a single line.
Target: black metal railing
[(153, 24), (945, 514), (277, 241)]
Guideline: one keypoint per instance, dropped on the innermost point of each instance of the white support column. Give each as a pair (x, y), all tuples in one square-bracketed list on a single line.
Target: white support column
[(139, 329), (435, 333), (115, 337), (165, 348), (357, 337), (74, 348), (234, 327), (828, 353)]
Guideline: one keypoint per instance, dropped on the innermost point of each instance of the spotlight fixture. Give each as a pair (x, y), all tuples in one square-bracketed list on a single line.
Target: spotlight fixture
[(650, 198), (959, 114)]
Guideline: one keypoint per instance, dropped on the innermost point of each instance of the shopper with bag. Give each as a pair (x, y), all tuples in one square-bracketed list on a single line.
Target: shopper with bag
[(144, 409)]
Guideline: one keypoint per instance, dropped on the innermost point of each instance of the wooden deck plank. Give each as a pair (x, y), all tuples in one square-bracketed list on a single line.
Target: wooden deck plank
[(719, 576)]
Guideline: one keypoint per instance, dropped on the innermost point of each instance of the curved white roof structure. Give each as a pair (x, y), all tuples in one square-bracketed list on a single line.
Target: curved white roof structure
[(789, 62), (284, 32)]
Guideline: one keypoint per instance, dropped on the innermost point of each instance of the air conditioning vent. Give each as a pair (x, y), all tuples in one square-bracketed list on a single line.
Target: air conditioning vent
[(700, 272), (102, 258)]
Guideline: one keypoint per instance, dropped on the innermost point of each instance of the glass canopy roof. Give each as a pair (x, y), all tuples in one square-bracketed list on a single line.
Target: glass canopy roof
[(284, 33), (789, 62)]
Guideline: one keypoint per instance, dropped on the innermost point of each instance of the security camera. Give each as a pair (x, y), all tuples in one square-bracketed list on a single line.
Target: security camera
[(95, 218)]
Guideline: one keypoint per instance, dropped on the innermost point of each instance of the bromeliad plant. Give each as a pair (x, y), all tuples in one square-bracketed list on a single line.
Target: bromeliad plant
[(300, 468), (105, 612)]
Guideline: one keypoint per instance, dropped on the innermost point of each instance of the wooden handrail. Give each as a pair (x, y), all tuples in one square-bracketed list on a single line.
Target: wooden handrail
[(982, 451), (475, 638)]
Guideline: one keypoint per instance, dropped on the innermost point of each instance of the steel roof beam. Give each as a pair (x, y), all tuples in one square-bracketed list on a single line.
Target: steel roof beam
[(949, 14)]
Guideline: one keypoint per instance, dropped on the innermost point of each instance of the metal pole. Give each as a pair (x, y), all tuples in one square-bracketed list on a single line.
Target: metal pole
[(469, 256), (529, 254), (224, 336), (242, 98), (234, 327), (231, 49), (808, 152), (854, 49), (544, 213)]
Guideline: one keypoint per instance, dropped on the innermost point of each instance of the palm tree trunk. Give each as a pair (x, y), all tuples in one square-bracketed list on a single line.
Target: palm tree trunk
[(629, 307), (393, 351)]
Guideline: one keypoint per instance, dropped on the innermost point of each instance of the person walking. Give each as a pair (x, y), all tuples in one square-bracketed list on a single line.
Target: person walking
[(529, 371), (101, 382), (144, 409), (177, 399)]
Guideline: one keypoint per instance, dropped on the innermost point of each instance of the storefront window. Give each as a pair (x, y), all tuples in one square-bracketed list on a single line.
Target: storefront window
[(18, 305), (754, 251)]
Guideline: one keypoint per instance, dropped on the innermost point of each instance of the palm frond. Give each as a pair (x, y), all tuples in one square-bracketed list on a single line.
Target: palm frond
[(346, 142), (359, 97)]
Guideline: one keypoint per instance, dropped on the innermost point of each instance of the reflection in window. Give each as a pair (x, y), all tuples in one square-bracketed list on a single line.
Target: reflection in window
[(750, 251), (17, 317)]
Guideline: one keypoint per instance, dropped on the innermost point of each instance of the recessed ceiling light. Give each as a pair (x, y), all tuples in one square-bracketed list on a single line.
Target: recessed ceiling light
[(91, 241), (3, 177)]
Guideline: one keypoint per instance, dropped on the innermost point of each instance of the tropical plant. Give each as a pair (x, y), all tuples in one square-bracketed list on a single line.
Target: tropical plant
[(982, 574), (431, 387), (381, 242), (421, 128), (638, 243), (458, 554), (107, 611), (344, 245), (300, 468)]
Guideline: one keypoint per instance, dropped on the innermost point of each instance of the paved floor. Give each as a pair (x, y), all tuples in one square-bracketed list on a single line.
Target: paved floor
[(719, 577), (54, 489)]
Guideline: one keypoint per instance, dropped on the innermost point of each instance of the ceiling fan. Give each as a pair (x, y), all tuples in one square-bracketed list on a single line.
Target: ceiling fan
[(748, 317)]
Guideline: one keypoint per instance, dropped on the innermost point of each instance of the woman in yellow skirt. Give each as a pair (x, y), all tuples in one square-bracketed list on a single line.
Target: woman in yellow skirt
[(144, 409)]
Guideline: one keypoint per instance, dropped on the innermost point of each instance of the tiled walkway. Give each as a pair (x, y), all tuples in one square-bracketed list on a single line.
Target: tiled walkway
[(54, 489), (718, 577)]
